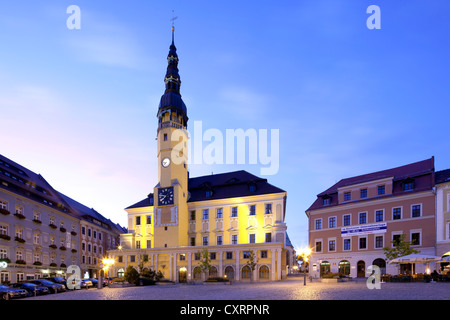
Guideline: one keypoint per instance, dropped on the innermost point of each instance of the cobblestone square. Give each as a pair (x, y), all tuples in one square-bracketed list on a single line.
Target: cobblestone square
[(290, 289)]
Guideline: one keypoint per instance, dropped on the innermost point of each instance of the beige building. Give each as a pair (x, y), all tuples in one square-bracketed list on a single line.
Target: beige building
[(39, 233), (443, 213), (351, 222), (234, 215), (42, 231)]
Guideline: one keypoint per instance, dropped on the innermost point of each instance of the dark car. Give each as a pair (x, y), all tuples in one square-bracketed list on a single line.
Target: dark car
[(59, 280), (31, 288), (7, 293), (53, 287), (95, 282)]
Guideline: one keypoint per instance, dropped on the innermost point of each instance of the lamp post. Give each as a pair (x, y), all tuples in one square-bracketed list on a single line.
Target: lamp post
[(304, 256), (106, 264)]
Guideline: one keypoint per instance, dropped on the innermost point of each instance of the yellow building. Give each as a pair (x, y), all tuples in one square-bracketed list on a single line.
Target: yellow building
[(236, 216)]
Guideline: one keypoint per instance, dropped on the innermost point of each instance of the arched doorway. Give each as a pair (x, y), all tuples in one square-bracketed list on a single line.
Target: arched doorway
[(229, 272), (264, 273), (380, 263), (324, 268), (120, 273), (246, 273), (344, 267), (213, 272), (197, 273), (182, 275), (361, 269)]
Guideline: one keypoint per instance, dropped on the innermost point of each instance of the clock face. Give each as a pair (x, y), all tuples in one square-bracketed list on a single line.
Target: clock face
[(165, 196), (165, 162)]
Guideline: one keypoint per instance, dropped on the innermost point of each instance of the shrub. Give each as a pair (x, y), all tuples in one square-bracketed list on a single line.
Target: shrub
[(132, 275), (217, 279)]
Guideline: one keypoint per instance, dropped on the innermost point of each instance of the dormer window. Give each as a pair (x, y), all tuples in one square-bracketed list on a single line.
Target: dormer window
[(408, 185), (209, 193), (326, 200), (252, 187)]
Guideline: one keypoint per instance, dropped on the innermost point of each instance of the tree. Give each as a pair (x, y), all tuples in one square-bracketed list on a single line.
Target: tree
[(205, 261), (131, 275), (400, 248), (252, 262)]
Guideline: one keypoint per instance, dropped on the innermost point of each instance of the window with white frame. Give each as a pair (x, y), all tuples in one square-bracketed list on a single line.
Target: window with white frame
[(3, 253), (347, 244), (318, 224), (332, 222), (3, 205), (416, 237), (332, 245), (416, 210), (3, 229), (36, 238)]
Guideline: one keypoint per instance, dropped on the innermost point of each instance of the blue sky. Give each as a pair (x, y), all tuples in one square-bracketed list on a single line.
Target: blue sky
[(79, 106)]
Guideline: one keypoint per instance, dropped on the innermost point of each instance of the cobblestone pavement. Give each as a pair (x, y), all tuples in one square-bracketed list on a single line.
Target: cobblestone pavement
[(290, 289)]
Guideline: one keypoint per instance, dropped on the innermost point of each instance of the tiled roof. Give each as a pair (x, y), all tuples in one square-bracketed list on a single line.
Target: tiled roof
[(442, 176), (411, 170), (25, 182), (223, 186), (22, 181)]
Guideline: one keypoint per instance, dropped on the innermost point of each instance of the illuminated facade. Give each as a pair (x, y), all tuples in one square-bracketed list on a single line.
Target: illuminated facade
[(351, 222), (234, 215)]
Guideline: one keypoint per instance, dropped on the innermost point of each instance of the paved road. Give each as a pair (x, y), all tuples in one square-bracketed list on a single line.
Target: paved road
[(291, 289)]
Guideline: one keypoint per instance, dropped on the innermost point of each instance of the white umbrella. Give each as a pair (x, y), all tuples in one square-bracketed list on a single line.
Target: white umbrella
[(444, 259), (416, 258)]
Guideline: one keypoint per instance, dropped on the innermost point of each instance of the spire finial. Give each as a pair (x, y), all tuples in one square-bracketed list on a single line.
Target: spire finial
[(173, 24)]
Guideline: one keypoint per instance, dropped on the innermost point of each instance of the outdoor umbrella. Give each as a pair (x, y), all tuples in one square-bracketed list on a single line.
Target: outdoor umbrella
[(416, 258), (444, 259)]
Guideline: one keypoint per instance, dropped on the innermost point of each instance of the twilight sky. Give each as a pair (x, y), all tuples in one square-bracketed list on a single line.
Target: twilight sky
[(79, 106)]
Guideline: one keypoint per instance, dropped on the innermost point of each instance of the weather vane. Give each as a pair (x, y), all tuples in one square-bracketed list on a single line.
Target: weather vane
[(173, 20)]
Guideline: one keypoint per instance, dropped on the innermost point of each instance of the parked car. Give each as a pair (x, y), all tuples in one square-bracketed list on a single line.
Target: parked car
[(7, 293), (31, 288), (95, 282), (53, 287), (86, 284), (59, 280)]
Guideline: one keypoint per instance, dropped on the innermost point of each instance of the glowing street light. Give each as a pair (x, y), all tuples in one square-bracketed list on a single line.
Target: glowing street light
[(304, 256)]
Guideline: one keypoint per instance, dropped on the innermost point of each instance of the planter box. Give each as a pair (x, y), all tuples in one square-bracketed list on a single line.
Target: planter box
[(19, 216), (4, 212)]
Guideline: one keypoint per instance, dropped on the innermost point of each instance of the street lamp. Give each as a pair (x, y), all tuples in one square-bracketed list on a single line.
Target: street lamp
[(304, 256), (106, 264)]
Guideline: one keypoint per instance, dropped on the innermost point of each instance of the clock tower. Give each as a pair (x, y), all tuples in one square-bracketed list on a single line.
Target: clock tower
[(171, 192)]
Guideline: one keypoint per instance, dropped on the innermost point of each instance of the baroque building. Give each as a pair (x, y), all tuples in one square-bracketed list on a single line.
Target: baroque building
[(233, 216)]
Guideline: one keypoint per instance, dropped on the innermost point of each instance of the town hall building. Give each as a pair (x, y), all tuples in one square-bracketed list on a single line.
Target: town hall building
[(236, 218)]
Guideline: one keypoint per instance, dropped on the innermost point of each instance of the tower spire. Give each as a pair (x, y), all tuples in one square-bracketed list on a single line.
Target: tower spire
[(173, 26), (171, 101)]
